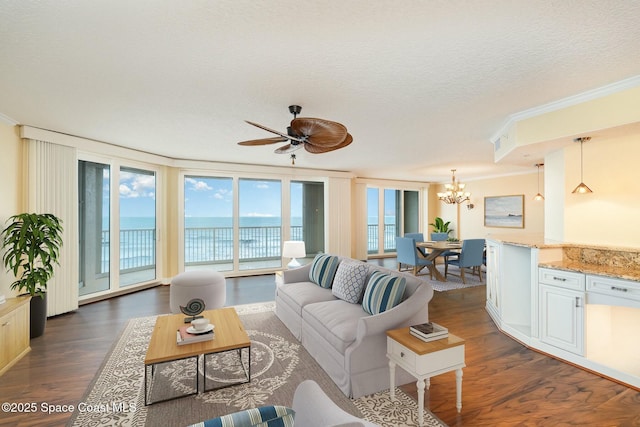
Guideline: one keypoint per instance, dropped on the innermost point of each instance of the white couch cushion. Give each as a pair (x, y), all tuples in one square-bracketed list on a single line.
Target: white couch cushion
[(336, 321), (297, 295)]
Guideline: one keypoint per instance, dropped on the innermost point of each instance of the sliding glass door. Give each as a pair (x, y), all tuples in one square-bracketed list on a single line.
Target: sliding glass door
[(117, 227), (94, 227), (260, 224), (390, 213), (237, 225), (208, 223), (137, 191)]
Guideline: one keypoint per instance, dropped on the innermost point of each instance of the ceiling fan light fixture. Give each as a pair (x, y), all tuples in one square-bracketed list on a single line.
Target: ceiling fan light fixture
[(454, 193), (582, 188), (314, 135)]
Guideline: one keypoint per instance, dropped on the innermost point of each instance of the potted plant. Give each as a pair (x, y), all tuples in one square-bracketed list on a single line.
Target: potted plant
[(440, 229), (32, 245)]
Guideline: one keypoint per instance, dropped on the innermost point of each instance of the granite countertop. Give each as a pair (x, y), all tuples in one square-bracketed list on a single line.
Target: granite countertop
[(525, 240), (600, 270)]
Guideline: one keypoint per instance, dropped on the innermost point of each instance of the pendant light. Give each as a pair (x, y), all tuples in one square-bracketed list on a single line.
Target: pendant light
[(539, 196), (582, 187)]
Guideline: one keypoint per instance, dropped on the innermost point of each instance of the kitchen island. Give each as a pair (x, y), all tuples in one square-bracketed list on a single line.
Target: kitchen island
[(574, 302)]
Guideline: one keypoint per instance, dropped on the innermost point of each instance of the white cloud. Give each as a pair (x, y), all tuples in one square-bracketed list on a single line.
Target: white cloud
[(198, 185), (137, 185)]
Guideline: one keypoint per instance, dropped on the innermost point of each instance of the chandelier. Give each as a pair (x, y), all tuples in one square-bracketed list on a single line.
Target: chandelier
[(455, 191)]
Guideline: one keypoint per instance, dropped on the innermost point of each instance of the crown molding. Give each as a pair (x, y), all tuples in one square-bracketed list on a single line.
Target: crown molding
[(8, 120), (566, 102)]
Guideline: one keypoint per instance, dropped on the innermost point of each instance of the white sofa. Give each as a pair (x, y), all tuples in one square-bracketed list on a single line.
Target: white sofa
[(347, 342)]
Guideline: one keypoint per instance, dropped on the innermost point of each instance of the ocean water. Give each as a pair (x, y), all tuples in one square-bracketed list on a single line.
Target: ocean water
[(137, 223), (210, 239)]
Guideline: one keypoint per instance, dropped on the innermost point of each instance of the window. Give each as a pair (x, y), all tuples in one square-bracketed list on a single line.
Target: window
[(93, 221), (117, 235), (208, 223), (390, 213), (238, 225), (260, 224), (137, 189)]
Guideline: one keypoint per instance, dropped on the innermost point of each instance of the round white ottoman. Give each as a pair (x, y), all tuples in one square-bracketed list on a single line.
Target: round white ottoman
[(208, 285)]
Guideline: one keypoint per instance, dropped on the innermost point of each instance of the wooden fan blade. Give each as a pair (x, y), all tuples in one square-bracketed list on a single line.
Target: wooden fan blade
[(263, 141), (319, 132), (284, 135), (318, 150), (289, 148)]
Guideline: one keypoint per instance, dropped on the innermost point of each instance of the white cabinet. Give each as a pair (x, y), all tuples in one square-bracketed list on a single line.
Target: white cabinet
[(493, 281), (14, 331), (562, 299)]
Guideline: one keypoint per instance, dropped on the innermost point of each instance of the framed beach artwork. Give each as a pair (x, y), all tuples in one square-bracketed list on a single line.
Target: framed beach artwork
[(504, 211)]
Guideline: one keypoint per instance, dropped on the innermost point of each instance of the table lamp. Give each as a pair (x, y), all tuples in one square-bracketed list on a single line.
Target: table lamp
[(293, 249)]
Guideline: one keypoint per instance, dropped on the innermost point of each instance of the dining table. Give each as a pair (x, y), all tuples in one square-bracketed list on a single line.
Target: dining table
[(436, 248)]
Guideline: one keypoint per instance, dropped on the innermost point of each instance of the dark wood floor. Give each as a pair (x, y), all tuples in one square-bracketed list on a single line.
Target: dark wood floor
[(504, 383)]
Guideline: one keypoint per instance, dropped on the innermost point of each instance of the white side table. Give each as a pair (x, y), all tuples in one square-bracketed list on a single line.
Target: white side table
[(424, 360)]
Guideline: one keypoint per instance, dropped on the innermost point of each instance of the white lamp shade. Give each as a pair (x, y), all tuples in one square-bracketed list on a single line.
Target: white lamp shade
[(293, 249)]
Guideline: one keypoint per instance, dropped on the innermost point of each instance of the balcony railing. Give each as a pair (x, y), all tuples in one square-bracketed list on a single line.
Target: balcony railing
[(202, 245), (389, 237)]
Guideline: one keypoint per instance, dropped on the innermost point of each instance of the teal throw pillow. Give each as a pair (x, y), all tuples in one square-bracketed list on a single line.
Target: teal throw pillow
[(323, 269), (383, 292)]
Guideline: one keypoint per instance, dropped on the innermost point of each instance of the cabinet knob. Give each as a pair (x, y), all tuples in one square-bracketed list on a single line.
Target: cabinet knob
[(402, 354), (561, 279), (615, 288)]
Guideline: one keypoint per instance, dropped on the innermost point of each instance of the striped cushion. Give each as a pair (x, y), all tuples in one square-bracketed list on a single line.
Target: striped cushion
[(383, 292), (323, 268), (265, 416)]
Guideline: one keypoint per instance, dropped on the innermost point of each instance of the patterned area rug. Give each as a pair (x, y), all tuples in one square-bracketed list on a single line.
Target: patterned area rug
[(453, 282), (278, 364)]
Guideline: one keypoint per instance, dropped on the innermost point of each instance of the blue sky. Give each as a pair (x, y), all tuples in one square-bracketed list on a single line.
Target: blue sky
[(207, 197), (213, 197)]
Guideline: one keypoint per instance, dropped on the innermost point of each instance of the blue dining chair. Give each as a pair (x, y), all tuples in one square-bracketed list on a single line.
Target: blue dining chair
[(440, 237), (470, 257), (418, 237), (407, 254)]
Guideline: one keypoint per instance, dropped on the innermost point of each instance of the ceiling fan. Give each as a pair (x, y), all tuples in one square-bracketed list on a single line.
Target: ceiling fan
[(315, 135)]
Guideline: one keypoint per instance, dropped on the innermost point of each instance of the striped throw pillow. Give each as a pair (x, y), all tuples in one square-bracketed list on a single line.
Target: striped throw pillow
[(323, 269), (383, 292), (265, 416)]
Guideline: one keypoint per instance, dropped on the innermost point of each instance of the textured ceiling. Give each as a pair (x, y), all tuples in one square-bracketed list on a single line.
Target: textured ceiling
[(421, 85)]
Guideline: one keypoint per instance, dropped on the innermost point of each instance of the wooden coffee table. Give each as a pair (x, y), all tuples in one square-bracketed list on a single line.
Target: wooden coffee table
[(229, 335)]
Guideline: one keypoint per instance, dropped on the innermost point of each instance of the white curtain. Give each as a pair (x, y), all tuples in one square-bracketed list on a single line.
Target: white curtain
[(52, 187)]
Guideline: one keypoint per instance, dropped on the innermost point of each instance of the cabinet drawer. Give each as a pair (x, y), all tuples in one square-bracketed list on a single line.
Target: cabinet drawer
[(401, 354), (561, 278), (625, 292)]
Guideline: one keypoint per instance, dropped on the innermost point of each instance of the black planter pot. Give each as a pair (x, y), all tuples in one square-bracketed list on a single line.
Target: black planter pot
[(38, 316)]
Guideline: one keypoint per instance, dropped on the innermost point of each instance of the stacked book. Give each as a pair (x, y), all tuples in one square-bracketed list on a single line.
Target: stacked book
[(183, 337), (429, 331)]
